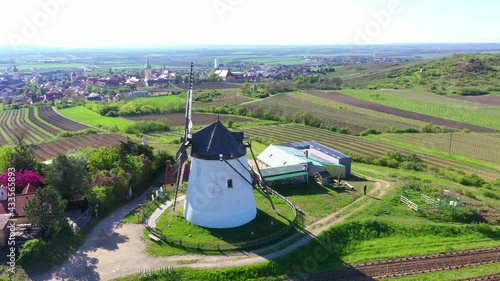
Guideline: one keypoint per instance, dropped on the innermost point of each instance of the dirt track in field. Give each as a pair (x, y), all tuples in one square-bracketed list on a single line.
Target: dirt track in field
[(389, 268), (489, 100), (400, 112)]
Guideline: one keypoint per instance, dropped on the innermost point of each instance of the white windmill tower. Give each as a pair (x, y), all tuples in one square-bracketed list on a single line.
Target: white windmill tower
[(220, 184)]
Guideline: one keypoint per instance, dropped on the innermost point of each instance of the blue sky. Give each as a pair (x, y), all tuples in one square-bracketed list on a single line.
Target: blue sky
[(112, 23)]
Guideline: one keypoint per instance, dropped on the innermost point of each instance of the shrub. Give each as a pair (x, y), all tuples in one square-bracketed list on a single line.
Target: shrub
[(472, 180), (22, 178), (68, 134), (144, 127), (370, 132), (33, 250), (431, 128), (491, 195), (469, 194), (473, 92), (344, 130), (112, 113), (403, 131), (394, 159)]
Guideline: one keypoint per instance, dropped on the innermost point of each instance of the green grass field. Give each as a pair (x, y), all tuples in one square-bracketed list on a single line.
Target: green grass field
[(177, 227), (87, 116), (175, 99), (474, 146), (432, 104)]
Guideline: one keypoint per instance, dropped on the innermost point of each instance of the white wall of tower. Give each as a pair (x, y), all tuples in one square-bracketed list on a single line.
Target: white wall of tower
[(209, 200)]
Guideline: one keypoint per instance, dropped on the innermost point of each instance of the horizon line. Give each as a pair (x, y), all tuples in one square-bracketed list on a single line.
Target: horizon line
[(244, 45)]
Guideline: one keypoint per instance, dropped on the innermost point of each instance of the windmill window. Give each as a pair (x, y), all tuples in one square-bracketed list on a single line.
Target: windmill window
[(230, 183)]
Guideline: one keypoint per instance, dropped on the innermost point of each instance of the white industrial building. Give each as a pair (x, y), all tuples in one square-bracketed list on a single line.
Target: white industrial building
[(310, 155)]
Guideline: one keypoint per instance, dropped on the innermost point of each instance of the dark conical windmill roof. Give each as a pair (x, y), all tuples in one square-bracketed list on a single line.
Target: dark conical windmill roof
[(215, 139)]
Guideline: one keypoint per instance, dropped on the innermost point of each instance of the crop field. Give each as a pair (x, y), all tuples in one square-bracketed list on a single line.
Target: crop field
[(479, 146), (32, 115), (163, 99), (489, 100), (179, 119), (421, 102), (401, 112), (227, 97), (352, 145), (49, 115), (23, 122), (50, 150), (332, 112), (87, 116)]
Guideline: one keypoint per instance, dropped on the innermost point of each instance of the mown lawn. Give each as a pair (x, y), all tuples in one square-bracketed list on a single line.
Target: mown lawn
[(265, 224)]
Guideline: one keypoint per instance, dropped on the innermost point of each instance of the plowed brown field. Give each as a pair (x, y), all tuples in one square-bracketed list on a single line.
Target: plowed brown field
[(50, 150)]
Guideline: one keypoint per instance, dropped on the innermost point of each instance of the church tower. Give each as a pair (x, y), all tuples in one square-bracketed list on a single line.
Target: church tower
[(147, 71), (15, 75)]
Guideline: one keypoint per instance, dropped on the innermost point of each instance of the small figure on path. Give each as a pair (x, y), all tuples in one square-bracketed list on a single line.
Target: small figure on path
[(364, 189)]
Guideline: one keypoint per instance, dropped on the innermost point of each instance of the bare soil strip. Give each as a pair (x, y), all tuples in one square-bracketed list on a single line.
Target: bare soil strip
[(49, 115), (31, 116), (489, 100), (411, 265), (400, 112)]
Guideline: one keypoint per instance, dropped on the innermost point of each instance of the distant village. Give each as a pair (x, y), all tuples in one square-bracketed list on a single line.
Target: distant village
[(19, 88)]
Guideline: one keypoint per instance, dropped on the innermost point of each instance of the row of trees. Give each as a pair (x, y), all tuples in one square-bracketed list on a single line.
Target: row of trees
[(134, 107)]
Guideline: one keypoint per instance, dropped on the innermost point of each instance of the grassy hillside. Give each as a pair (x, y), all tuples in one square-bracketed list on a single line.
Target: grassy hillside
[(464, 74)]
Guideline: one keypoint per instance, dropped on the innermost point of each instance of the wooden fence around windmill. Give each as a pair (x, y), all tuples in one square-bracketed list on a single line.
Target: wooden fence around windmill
[(156, 234)]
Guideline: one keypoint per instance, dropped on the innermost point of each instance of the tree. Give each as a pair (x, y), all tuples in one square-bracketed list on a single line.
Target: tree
[(103, 158), (23, 158), (103, 197), (6, 153), (47, 209), (22, 179), (246, 88), (20, 135), (68, 176), (73, 95)]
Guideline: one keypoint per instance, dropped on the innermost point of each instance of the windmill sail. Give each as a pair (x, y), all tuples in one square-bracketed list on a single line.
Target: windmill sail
[(181, 156), (189, 105)]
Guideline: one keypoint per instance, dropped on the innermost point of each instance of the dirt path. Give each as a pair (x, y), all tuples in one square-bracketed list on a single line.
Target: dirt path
[(113, 250)]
